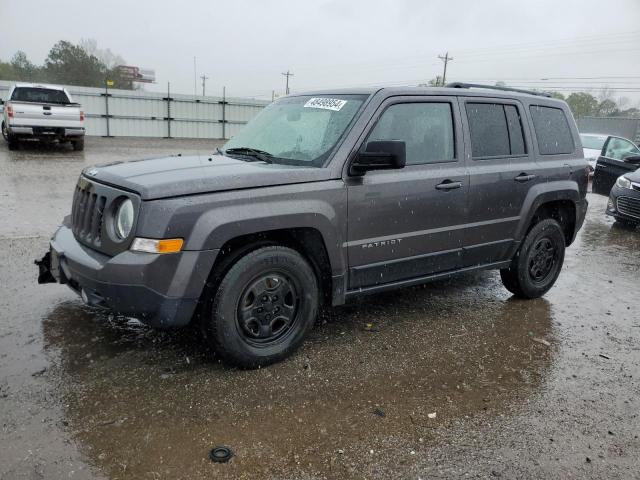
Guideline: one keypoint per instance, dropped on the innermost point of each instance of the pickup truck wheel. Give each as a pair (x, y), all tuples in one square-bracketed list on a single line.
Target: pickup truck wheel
[(263, 308), (5, 132), (538, 262), (78, 145)]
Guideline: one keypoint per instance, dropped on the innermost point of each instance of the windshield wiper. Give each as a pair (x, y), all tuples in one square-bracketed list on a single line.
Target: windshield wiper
[(251, 152)]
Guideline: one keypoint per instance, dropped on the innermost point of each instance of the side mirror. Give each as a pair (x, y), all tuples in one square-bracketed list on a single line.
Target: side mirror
[(1, 101), (380, 155), (633, 159)]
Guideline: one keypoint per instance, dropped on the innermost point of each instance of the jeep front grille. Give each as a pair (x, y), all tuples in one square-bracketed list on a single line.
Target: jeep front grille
[(86, 215), (629, 206)]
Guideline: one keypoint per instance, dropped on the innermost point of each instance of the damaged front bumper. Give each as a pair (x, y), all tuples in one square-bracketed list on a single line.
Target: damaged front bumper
[(161, 290)]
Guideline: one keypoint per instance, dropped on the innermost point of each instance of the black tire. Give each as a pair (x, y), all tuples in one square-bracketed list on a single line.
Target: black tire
[(5, 133), (272, 324), (536, 266), (78, 145)]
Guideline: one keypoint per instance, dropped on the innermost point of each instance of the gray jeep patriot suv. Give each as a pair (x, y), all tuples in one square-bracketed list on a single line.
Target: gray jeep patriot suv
[(323, 197)]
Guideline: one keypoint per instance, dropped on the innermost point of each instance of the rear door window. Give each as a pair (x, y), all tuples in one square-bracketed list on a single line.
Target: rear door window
[(496, 130), (552, 130)]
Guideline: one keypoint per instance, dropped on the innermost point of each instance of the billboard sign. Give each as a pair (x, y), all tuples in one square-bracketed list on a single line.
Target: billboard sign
[(137, 74)]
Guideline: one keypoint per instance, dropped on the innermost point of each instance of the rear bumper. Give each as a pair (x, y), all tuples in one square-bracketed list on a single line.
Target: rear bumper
[(160, 290), (45, 132)]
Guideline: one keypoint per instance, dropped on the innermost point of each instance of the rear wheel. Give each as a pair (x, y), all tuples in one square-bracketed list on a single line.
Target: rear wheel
[(263, 308), (536, 266), (12, 142), (78, 145)]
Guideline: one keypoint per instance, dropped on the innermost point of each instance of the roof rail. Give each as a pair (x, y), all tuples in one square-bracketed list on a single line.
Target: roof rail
[(496, 87)]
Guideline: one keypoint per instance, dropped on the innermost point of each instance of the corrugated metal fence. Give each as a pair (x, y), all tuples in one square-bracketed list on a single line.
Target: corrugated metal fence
[(135, 113), (619, 126)]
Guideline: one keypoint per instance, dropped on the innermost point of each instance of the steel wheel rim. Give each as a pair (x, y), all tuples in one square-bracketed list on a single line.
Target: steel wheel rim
[(542, 259), (268, 308)]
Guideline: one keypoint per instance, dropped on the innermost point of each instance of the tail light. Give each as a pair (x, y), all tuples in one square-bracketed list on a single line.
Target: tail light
[(81, 116), (9, 110)]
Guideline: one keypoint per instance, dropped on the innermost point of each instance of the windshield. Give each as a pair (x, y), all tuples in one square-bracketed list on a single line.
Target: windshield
[(299, 130), (592, 141), (39, 95)]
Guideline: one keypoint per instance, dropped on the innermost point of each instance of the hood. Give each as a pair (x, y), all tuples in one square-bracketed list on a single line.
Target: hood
[(634, 176), (188, 175)]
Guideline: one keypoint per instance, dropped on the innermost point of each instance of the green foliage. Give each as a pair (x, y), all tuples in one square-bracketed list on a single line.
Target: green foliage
[(582, 104), (66, 64)]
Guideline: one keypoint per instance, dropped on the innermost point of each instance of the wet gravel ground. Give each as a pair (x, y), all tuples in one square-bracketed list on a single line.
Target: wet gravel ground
[(455, 379)]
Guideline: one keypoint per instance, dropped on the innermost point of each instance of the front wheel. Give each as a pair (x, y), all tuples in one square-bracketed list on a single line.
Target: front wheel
[(263, 308), (536, 266)]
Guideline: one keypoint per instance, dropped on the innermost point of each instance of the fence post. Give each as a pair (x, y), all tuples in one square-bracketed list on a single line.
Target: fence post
[(224, 112), (106, 106), (168, 118)]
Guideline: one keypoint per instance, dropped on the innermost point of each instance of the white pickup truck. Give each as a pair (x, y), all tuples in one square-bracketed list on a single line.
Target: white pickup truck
[(42, 112)]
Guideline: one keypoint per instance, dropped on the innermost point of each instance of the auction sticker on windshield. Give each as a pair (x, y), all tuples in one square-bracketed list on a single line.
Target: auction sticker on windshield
[(326, 103)]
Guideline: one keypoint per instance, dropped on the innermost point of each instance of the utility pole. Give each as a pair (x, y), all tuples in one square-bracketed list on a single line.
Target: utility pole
[(195, 89), (446, 59), (204, 79), (288, 74)]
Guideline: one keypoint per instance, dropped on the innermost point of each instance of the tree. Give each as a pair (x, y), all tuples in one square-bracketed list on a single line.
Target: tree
[(71, 65), (434, 82), (23, 68), (105, 55), (582, 104), (607, 108)]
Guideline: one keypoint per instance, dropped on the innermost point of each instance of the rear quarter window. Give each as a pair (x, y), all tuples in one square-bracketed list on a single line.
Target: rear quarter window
[(552, 130)]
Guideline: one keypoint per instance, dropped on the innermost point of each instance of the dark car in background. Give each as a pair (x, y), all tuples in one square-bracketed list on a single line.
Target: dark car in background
[(624, 200), (618, 157)]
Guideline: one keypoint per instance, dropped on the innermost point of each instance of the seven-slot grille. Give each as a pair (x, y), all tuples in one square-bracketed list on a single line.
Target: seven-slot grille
[(86, 214), (629, 206)]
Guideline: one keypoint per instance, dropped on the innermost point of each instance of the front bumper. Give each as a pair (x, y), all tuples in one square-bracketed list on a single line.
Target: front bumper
[(624, 203), (160, 290)]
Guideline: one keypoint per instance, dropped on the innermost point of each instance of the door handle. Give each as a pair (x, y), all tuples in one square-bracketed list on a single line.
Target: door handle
[(523, 177), (448, 185)]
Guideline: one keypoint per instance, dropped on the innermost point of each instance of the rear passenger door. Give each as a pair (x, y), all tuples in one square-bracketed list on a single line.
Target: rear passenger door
[(501, 172)]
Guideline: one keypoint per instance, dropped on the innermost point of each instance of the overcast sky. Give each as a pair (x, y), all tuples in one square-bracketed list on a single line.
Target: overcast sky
[(246, 45)]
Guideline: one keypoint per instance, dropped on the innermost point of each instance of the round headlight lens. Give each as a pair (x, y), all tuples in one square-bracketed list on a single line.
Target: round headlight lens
[(124, 219), (623, 182)]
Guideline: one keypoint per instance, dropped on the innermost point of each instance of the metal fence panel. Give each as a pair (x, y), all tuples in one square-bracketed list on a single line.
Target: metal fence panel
[(619, 126), (155, 114)]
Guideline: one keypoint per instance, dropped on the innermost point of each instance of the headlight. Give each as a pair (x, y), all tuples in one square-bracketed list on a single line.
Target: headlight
[(623, 182), (124, 219)]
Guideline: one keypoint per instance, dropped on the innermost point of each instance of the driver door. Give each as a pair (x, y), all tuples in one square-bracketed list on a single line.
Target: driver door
[(407, 223), (611, 164)]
